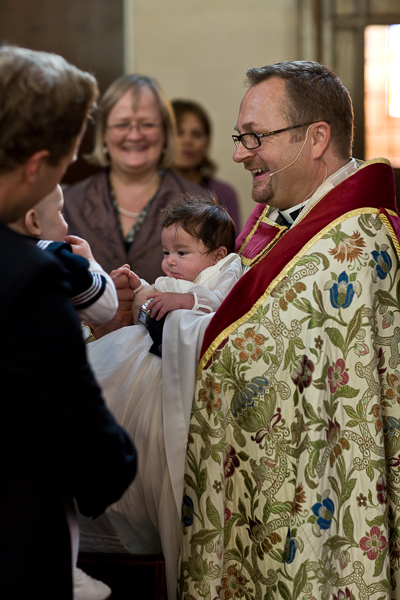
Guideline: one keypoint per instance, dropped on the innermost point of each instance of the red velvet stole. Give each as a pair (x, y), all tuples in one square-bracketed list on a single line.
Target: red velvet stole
[(370, 186)]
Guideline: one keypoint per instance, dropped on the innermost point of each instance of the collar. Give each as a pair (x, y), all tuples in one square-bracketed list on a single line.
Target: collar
[(327, 185)]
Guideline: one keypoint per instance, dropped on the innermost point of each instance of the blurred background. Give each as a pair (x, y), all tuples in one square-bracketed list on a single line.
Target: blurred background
[(201, 49)]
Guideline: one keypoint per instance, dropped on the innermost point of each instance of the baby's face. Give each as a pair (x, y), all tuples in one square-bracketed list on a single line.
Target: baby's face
[(184, 256), (49, 213)]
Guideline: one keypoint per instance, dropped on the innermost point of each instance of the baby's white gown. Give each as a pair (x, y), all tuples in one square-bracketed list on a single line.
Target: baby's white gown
[(152, 398)]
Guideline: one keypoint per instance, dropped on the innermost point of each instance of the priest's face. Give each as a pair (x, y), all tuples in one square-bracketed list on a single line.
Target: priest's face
[(279, 166)]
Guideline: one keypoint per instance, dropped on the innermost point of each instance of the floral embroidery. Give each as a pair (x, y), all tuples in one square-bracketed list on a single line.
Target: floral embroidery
[(345, 594), (299, 499), (187, 511), (217, 485), (376, 413), (337, 375), (249, 345), (290, 549), (381, 263), (337, 442), (232, 584), (302, 373), (349, 248), (388, 319), (324, 512), (361, 500), (319, 342), (287, 292), (341, 291), (264, 541), (231, 461), (373, 543), (381, 489), (210, 395), (393, 392), (290, 490)]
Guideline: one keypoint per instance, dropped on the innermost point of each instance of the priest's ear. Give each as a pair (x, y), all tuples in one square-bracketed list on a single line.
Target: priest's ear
[(320, 138)]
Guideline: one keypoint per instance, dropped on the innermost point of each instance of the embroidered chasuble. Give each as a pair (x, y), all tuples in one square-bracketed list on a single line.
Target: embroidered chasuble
[(293, 461)]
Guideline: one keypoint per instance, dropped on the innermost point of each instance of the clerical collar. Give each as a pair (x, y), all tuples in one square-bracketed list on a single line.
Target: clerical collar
[(290, 214)]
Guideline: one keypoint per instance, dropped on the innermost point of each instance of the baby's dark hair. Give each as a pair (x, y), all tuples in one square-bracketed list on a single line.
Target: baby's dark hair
[(202, 217)]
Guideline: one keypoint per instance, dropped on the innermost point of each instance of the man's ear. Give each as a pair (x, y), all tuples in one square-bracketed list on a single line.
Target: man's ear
[(33, 165), (320, 137), (219, 254), (32, 223)]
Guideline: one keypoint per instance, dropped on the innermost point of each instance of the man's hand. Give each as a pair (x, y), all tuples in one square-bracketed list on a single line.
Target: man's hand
[(125, 293), (164, 302)]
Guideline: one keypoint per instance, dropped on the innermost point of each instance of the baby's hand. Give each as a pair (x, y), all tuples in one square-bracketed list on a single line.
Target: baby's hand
[(134, 280), (164, 302), (79, 246)]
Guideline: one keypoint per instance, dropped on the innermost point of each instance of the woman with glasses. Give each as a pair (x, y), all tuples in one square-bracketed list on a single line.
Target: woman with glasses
[(116, 210), (192, 160)]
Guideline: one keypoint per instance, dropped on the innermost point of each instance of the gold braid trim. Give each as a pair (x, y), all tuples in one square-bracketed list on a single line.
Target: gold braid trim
[(390, 229), (228, 330)]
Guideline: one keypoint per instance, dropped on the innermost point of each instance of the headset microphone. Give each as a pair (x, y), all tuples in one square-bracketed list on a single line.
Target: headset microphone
[(298, 156)]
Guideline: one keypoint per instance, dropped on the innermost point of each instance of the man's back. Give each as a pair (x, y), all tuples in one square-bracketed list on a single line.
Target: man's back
[(58, 440)]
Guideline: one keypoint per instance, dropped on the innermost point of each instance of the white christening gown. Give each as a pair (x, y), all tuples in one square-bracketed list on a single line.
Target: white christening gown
[(151, 398)]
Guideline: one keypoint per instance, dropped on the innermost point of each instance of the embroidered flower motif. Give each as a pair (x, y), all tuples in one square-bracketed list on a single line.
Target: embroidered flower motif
[(393, 392), (187, 511), (217, 485), (287, 292), (299, 499), (249, 345), (343, 595), (233, 584), (302, 372), (263, 431), (324, 512), (362, 500), (361, 349), (343, 557), (210, 395), (290, 549), (349, 248), (227, 514), (373, 544), (388, 319), (376, 413), (381, 362), (381, 263), (337, 375), (319, 342), (381, 489), (258, 535), (263, 471), (341, 292), (335, 441), (231, 461), (394, 550)]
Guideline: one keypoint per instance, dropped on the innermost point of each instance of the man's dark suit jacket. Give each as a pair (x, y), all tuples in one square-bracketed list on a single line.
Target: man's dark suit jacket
[(57, 438)]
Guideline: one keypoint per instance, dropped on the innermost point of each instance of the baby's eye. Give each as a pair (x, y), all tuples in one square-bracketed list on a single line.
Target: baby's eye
[(182, 253), (165, 253)]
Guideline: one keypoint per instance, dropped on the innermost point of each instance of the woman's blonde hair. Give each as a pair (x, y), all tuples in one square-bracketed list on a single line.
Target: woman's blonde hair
[(112, 95)]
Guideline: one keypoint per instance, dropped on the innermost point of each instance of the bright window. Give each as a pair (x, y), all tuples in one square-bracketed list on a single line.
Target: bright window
[(382, 92)]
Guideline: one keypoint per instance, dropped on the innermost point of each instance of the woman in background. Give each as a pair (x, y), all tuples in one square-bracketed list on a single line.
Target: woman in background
[(116, 210), (192, 160)]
